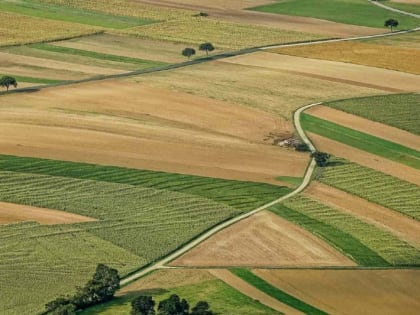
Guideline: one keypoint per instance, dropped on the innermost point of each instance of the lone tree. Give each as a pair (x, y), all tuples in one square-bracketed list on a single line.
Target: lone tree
[(391, 23), (7, 81), (321, 158), (143, 305), (188, 52), (206, 47)]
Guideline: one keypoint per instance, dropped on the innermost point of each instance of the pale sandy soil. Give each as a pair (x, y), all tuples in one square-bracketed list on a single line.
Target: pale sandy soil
[(264, 239), (407, 1), (106, 123), (367, 126), (14, 213), (247, 289), (231, 11), (359, 75), (398, 224), (347, 292), (167, 278), (364, 158)]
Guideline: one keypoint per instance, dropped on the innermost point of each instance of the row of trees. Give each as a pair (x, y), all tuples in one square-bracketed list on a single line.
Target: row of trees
[(189, 52), (174, 305), (101, 288)]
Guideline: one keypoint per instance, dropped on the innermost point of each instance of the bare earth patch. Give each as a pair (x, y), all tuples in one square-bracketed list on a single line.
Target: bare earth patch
[(400, 225), (367, 126), (364, 158), (14, 213), (247, 289), (266, 240), (344, 292), (128, 124), (387, 80)]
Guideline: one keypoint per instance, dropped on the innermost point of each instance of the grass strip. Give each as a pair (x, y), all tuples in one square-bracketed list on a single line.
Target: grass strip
[(387, 149), (345, 242), (276, 293), (97, 55), (33, 80), (69, 14)]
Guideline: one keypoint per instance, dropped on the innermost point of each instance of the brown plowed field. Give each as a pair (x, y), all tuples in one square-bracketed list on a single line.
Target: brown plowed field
[(387, 80), (364, 158), (13, 213), (348, 292), (264, 239), (121, 123), (231, 11), (247, 289), (367, 126), (400, 225)]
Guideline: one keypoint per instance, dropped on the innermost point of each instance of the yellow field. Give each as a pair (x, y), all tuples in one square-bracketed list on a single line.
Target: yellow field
[(409, 40), (382, 56), (18, 29)]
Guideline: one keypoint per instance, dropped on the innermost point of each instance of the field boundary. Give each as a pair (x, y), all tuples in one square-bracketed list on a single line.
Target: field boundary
[(383, 6)]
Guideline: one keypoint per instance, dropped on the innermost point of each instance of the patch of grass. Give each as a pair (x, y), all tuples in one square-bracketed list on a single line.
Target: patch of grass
[(69, 14), (241, 195), (97, 55), (341, 240), (295, 181), (374, 186), (33, 80), (362, 141), (401, 110), (222, 298), (355, 12), (276, 293)]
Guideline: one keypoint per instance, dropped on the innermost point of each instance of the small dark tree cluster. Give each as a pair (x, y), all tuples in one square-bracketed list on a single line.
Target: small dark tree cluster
[(105, 282), (207, 47), (7, 81), (174, 305), (321, 158), (391, 23)]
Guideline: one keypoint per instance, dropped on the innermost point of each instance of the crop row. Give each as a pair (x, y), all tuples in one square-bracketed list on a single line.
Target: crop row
[(374, 186), (370, 245)]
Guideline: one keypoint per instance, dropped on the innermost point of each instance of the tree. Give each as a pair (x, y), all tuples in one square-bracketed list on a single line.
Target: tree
[(143, 305), (206, 47), (68, 309), (321, 158), (391, 23), (188, 52), (201, 308), (7, 81), (173, 306)]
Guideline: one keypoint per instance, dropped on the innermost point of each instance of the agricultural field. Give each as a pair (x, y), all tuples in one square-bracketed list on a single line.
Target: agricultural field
[(340, 11), (408, 40), (412, 6), (382, 109), (363, 242), (377, 292), (192, 285), (374, 186)]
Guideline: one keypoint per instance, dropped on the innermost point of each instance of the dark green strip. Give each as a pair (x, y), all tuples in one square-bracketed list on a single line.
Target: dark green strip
[(359, 252), (276, 293), (33, 80), (96, 55), (362, 141)]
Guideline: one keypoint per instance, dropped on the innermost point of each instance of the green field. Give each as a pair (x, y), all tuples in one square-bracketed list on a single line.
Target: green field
[(276, 293), (412, 8), (374, 186), (222, 298), (32, 80), (362, 141), (401, 110), (364, 243), (70, 14), (356, 12)]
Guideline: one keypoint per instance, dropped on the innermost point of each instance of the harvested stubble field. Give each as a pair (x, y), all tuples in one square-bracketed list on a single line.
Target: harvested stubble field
[(85, 122), (365, 243), (408, 40), (401, 111), (193, 285), (267, 88), (397, 223), (264, 240), (31, 29), (377, 292), (362, 53), (374, 186), (135, 222)]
